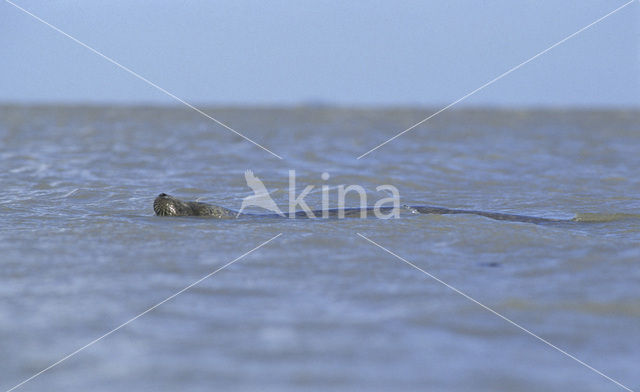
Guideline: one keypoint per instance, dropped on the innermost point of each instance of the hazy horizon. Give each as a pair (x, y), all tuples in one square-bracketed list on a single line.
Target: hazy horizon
[(321, 105)]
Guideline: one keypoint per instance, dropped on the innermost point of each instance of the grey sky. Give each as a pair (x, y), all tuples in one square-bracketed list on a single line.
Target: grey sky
[(353, 53)]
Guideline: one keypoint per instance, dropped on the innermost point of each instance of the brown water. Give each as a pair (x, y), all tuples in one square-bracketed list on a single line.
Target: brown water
[(318, 308)]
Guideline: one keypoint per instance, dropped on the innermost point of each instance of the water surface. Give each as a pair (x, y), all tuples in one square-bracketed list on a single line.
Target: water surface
[(319, 308)]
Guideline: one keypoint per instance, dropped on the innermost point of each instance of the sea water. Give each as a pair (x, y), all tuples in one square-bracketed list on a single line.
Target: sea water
[(319, 307)]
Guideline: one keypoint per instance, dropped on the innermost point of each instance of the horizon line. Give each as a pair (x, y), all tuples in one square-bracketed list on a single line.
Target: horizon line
[(320, 105)]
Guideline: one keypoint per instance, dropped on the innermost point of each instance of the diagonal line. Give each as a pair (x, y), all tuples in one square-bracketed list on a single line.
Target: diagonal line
[(497, 314), (497, 78), (143, 313), (147, 81)]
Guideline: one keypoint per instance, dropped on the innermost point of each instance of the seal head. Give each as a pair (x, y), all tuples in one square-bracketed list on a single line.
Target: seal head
[(165, 205)]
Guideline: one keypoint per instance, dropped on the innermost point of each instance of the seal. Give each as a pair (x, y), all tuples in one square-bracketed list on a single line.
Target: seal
[(166, 205)]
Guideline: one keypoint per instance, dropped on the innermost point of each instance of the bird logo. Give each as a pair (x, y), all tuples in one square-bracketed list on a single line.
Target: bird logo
[(260, 197)]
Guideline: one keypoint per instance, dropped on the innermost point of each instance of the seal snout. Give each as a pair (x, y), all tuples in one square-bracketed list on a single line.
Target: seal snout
[(163, 195)]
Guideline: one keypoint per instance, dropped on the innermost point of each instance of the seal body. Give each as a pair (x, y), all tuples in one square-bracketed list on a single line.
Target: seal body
[(167, 205)]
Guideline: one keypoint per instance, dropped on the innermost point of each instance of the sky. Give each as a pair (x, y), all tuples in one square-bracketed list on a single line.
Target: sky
[(354, 53)]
